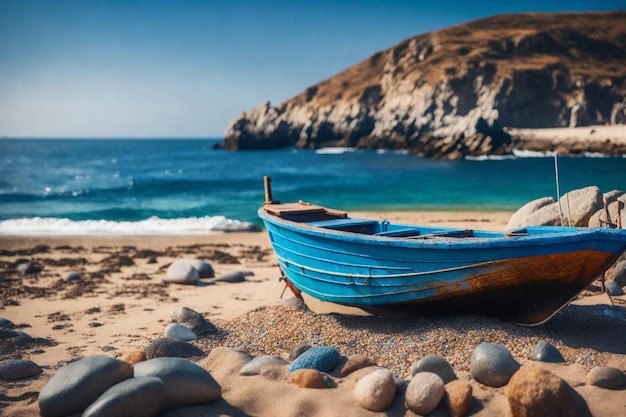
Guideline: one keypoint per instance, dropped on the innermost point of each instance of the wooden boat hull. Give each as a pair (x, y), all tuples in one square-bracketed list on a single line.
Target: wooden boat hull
[(525, 278)]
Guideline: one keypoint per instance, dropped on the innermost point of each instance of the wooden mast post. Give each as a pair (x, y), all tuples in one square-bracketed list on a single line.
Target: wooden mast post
[(267, 182)]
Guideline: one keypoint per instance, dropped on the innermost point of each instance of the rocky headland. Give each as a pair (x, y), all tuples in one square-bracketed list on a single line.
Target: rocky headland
[(468, 90)]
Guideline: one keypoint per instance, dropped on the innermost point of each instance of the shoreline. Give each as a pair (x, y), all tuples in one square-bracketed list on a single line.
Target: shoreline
[(122, 303)]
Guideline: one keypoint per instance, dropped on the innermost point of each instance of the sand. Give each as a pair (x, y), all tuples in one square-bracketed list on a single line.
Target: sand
[(122, 303)]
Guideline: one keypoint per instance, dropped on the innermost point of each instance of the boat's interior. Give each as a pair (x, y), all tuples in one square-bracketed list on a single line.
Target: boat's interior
[(322, 217)]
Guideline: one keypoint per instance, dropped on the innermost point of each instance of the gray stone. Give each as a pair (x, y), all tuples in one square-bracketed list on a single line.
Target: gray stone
[(232, 277), (606, 377), (545, 352), (190, 318), (136, 397), (613, 288), (75, 386), (619, 273), (12, 369), (180, 332), (182, 272), (11, 334), (205, 270), (375, 391), (186, 383), (435, 364), (322, 358), (73, 276), (6, 324), (577, 207), (263, 364), (519, 217), (29, 268), (424, 392), (298, 350), (492, 365), (295, 303), (356, 362), (173, 348), (535, 392)]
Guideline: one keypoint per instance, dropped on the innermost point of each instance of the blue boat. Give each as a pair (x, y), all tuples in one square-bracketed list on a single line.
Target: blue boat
[(525, 275)]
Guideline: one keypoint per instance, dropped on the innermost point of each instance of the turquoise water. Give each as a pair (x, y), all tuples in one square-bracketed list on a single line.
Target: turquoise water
[(185, 186)]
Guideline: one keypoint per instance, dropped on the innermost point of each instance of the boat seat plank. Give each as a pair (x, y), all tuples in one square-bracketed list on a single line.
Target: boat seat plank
[(301, 208), (400, 233), (447, 233), (341, 223)]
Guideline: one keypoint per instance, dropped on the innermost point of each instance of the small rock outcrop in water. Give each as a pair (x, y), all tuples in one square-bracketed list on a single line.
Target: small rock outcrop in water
[(449, 93)]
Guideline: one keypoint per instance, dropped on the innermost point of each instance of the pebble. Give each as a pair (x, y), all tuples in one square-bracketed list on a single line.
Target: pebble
[(376, 391), (174, 348), (29, 268), (435, 364), (298, 350), (535, 392), (182, 272), (424, 392), (458, 397), (606, 377), (137, 397), (263, 364), (619, 273), (613, 288), (194, 320), (322, 358), (295, 303), (73, 276), (186, 383), (492, 365), (308, 378), (545, 352), (135, 356), (232, 277), (180, 332), (75, 386), (12, 369), (205, 270), (356, 362)]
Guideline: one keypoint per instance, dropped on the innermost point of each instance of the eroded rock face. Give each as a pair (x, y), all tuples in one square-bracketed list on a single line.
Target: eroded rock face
[(447, 94)]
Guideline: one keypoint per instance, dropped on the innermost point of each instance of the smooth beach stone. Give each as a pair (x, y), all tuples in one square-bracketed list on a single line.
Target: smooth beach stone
[(535, 392), (75, 386), (376, 391), (308, 378), (12, 369), (518, 219), (193, 320), (182, 272), (619, 273), (606, 377), (231, 277), (458, 397), (263, 364), (135, 356), (73, 276), (134, 397), (435, 364), (298, 350), (205, 270), (174, 348), (356, 362), (424, 392), (29, 268), (6, 324), (545, 352), (613, 288), (186, 383), (492, 365), (180, 332), (322, 358), (295, 303)]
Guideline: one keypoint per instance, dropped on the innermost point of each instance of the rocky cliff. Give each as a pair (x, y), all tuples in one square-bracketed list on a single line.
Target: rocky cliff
[(454, 92)]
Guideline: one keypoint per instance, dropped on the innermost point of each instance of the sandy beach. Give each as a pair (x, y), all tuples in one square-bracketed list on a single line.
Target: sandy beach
[(122, 303)]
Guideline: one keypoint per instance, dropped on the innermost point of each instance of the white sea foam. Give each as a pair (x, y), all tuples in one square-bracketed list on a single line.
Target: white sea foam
[(334, 151), (38, 226), (490, 157), (523, 153)]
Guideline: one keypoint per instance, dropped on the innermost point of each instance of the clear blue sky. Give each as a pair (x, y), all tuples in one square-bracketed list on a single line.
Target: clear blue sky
[(90, 68)]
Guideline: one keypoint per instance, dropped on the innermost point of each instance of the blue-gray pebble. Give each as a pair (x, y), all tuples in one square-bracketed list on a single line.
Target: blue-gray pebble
[(435, 364), (322, 358), (180, 332), (613, 288), (12, 369), (186, 383), (492, 365), (135, 397), (168, 347), (545, 352), (75, 386), (6, 323)]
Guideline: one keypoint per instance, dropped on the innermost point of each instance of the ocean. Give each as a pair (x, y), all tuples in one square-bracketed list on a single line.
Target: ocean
[(185, 186)]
